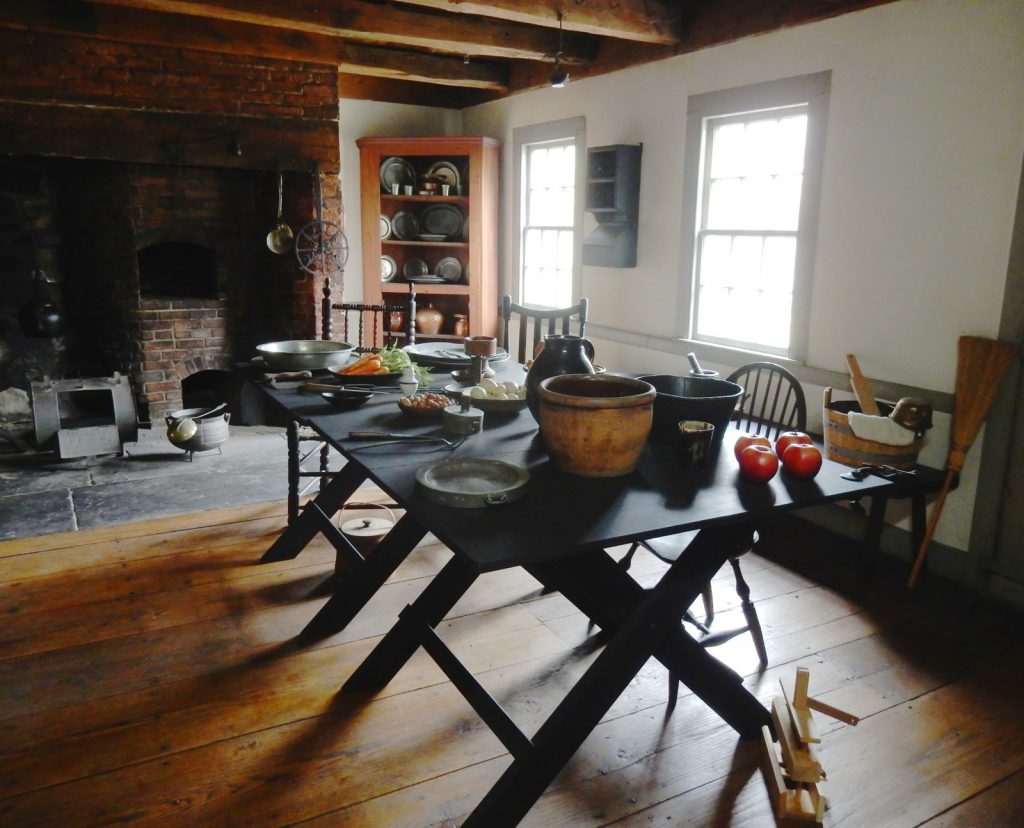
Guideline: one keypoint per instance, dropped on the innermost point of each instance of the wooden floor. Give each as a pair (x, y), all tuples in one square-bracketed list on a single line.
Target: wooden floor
[(150, 676)]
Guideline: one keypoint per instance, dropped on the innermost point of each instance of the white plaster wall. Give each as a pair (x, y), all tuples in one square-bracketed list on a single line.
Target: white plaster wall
[(361, 119), (922, 162)]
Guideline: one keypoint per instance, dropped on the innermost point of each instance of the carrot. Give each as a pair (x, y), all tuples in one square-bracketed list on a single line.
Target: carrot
[(371, 366), (357, 366)]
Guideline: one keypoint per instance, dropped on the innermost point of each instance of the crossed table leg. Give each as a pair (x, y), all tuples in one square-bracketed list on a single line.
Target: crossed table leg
[(641, 622)]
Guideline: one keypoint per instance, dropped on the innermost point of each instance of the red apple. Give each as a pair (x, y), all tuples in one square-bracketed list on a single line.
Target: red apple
[(801, 460), (758, 463), (787, 438), (745, 440)]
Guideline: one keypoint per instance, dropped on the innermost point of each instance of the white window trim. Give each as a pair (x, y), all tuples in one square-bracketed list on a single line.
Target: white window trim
[(568, 128), (812, 89)]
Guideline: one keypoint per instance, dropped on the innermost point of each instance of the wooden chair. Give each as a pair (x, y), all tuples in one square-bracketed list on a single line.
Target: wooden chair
[(535, 324), (368, 327), (772, 402)]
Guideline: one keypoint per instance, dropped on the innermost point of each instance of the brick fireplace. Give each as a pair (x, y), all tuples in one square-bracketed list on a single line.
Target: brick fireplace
[(144, 181)]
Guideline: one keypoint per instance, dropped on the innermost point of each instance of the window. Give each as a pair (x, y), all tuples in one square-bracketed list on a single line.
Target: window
[(753, 167), (550, 215)]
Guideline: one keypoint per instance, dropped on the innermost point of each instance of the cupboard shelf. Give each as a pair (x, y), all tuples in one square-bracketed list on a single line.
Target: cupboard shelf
[(477, 162)]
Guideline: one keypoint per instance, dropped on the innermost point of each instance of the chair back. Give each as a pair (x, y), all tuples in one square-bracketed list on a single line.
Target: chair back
[(535, 324), (370, 326), (772, 400)]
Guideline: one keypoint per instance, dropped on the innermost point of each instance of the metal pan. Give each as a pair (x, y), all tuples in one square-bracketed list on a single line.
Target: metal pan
[(304, 354), (473, 483)]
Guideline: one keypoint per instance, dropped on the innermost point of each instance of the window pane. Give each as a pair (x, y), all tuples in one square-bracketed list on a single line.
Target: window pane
[(753, 180), (548, 223)]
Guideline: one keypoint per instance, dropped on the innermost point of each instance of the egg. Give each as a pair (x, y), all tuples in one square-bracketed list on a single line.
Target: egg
[(510, 387), (477, 392), (488, 383)]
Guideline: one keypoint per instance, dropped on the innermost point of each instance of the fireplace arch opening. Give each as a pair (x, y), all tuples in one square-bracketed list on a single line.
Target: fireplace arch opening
[(178, 270)]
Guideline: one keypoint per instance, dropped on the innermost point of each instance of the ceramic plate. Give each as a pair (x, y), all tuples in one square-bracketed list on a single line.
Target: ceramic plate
[(449, 269), (396, 171), (385, 227), (443, 220), (449, 174), (388, 268), (405, 225), (414, 268)]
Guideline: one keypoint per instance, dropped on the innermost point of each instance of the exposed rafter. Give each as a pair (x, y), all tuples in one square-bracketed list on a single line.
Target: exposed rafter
[(639, 20), (391, 25), (451, 53)]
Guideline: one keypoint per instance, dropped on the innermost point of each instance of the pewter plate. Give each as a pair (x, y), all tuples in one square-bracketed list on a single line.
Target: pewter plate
[(473, 483), (396, 171), (405, 225), (442, 220)]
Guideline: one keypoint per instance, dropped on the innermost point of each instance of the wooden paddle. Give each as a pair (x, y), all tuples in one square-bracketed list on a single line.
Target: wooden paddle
[(861, 387), (981, 365)]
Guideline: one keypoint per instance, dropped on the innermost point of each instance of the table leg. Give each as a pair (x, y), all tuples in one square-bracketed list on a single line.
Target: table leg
[(873, 534), (650, 628), (367, 577), (403, 639), (304, 528)]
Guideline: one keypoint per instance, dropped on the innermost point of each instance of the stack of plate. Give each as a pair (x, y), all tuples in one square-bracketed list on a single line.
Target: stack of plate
[(446, 354)]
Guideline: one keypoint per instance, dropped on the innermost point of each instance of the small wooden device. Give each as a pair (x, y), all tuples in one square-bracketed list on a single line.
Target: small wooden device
[(791, 767)]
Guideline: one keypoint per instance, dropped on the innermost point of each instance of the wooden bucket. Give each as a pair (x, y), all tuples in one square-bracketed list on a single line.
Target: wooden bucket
[(843, 446)]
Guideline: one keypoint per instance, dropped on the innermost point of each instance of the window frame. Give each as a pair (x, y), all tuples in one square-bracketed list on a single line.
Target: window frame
[(813, 91), (573, 129)]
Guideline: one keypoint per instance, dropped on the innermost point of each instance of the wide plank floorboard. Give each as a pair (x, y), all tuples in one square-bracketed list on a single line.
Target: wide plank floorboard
[(150, 675)]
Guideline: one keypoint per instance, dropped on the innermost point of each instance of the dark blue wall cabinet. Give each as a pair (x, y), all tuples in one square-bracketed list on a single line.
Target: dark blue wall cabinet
[(613, 197)]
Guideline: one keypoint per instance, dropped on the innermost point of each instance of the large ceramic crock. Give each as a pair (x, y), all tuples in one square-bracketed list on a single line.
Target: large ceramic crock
[(595, 425)]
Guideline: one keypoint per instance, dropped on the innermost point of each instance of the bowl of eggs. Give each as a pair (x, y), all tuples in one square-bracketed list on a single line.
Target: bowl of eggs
[(492, 396)]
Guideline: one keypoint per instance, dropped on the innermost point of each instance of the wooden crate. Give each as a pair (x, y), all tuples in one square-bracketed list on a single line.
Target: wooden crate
[(843, 446)]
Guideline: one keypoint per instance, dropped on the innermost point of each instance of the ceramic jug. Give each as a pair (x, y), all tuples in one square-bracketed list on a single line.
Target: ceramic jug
[(561, 354), (429, 320)]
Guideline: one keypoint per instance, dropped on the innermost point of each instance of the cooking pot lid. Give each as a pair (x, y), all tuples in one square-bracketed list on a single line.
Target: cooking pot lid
[(367, 527)]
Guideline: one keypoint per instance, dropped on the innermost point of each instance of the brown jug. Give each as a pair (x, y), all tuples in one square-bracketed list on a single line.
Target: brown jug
[(562, 354), (429, 320)]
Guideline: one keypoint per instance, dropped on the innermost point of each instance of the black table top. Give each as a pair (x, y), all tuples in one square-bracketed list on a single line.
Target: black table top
[(562, 513)]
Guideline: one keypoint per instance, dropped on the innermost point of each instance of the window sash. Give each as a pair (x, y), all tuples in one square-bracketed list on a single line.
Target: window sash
[(775, 100)]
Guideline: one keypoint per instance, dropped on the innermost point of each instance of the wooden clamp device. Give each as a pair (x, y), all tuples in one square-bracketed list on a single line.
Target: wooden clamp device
[(791, 767)]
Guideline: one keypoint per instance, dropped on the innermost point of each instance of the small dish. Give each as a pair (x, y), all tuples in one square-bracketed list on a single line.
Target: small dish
[(345, 398), (434, 411), (388, 268), (487, 404), (385, 227)]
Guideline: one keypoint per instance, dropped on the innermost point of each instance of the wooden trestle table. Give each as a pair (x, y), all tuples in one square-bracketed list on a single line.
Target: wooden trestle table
[(559, 533)]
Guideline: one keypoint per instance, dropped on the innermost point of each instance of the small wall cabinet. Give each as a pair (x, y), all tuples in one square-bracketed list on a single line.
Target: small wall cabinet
[(613, 197), (444, 240)]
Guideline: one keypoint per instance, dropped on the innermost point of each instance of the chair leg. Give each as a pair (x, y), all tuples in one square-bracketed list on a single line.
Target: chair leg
[(708, 597), (673, 690), (753, 623)]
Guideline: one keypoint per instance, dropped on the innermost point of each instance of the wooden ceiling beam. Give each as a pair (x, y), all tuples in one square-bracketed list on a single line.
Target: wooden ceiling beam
[(645, 21), (129, 25), (424, 68), (388, 25)]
